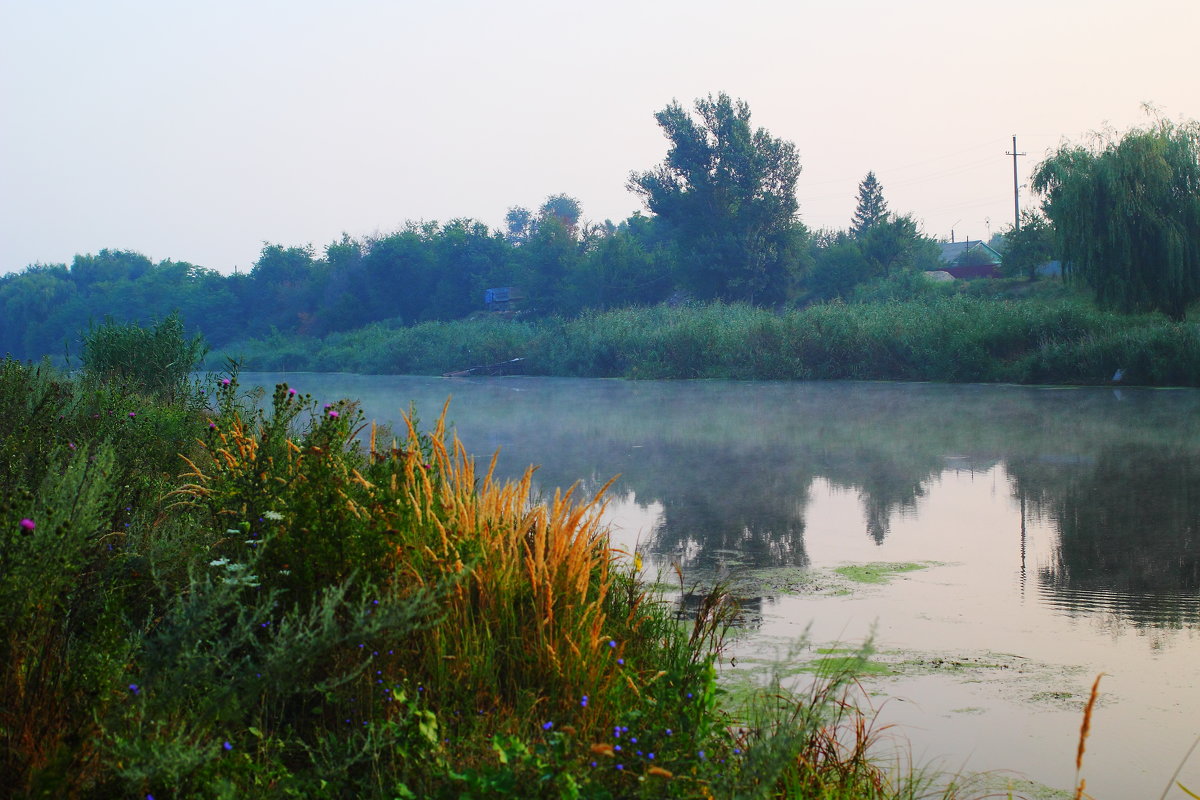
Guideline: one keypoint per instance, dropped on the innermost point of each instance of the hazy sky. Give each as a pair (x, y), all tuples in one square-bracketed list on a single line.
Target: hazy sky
[(198, 131)]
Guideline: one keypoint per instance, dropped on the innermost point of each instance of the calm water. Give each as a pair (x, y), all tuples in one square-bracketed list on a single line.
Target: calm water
[(1063, 528)]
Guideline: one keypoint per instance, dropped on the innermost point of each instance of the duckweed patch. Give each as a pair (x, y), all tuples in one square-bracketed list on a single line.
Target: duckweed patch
[(880, 571)]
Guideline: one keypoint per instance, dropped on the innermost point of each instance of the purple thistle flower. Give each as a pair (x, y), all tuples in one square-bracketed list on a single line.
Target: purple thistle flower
[(333, 414), (291, 392), (225, 381), (132, 414), (28, 524)]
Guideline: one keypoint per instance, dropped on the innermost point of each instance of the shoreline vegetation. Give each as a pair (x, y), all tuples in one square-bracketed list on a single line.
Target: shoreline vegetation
[(929, 334), (211, 592)]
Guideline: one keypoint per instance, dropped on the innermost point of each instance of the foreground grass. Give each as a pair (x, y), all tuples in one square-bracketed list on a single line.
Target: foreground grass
[(926, 336), (215, 594)]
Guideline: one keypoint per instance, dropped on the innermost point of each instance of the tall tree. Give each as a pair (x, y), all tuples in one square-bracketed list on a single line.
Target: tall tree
[(728, 194), (564, 208), (1126, 215), (871, 210)]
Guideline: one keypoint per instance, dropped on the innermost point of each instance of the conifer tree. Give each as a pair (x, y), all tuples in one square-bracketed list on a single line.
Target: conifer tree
[(872, 208)]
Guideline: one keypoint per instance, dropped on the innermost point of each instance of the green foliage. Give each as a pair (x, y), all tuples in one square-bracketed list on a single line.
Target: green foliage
[(727, 192), (1028, 247), (156, 360), (904, 327), (1126, 216), (871, 209)]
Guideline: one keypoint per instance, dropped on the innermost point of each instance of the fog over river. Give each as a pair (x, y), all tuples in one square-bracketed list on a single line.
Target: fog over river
[(1057, 531)]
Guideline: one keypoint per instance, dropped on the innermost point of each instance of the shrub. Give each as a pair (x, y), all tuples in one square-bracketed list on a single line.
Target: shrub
[(156, 360)]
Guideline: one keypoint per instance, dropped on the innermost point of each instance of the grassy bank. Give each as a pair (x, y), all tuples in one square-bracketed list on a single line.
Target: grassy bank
[(926, 337), (210, 593)]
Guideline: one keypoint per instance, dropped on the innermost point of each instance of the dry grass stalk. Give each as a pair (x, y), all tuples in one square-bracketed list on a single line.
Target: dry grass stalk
[(1084, 730)]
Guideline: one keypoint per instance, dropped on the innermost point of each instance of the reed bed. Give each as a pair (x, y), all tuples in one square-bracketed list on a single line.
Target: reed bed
[(927, 337)]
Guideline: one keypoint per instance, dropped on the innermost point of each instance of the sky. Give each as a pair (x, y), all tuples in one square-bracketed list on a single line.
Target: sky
[(200, 131)]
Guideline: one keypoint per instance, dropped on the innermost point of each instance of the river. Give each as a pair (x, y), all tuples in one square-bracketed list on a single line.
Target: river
[(1056, 531)]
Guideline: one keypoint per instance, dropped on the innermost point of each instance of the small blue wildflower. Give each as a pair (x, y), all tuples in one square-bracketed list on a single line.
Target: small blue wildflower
[(621, 661), (633, 740), (650, 756), (227, 746), (612, 642), (584, 701), (617, 747), (737, 751), (689, 695), (548, 726), (133, 687), (593, 763), (620, 766), (670, 732), (701, 754)]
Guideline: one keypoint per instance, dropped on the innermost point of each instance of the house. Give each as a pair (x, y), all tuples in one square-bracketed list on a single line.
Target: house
[(503, 298), (970, 259)]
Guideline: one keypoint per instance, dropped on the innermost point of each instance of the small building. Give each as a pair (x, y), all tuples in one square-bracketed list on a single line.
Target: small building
[(970, 259), (503, 298)]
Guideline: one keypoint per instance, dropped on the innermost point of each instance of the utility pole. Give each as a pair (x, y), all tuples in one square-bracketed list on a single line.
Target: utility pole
[(1016, 187)]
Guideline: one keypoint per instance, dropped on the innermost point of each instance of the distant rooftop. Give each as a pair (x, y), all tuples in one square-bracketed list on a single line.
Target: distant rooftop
[(951, 252)]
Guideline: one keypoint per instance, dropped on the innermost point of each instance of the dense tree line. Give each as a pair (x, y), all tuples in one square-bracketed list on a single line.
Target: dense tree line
[(722, 225)]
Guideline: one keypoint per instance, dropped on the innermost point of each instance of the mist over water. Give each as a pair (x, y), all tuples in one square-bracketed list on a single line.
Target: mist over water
[(1060, 524)]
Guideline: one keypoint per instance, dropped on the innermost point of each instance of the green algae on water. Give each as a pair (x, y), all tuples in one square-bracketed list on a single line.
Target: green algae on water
[(879, 571)]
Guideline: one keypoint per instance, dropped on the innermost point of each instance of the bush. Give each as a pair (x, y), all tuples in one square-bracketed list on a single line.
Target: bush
[(157, 360)]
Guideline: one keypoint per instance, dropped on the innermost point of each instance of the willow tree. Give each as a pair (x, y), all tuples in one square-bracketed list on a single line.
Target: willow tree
[(1126, 215)]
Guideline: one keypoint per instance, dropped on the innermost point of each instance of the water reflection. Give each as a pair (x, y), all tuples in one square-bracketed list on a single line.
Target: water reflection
[(733, 466), (1127, 519)]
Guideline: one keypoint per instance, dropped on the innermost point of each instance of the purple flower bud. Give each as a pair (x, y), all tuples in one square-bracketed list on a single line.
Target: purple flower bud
[(28, 524)]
